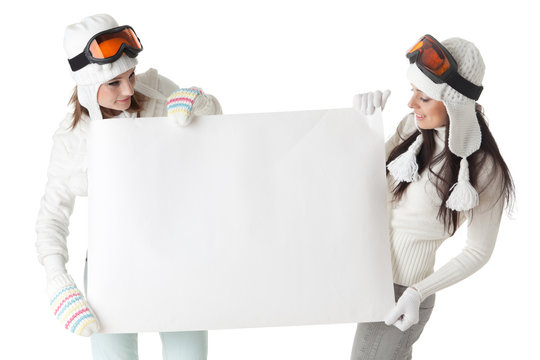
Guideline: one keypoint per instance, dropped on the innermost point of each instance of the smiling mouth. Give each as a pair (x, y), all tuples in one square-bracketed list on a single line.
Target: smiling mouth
[(419, 117)]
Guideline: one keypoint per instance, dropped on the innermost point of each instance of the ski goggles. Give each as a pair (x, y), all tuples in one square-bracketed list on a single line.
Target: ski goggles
[(107, 47), (436, 62)]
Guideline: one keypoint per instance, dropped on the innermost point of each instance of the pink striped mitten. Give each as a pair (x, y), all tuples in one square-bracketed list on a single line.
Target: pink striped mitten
[(180, 104), (70, 307)]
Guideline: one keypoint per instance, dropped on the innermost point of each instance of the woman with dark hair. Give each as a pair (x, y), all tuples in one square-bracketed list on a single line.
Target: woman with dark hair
[(443, 167), (102, 57)]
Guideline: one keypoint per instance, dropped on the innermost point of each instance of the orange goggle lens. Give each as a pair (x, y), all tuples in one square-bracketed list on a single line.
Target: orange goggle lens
[(108, 45), (438, 64), (430, 56)]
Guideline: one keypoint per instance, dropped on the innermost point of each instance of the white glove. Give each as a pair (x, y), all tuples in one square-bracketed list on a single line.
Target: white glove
[(66, 301), (406, 313), (367, 103)]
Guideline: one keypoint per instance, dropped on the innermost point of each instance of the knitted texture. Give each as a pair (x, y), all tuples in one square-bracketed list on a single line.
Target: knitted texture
[(180, 104), (416, 233), (93, 74), (463, 195), (70, 307), (405, 167), (470, 65), (76, 37), (181, 101), (464, 136), (90, 77)]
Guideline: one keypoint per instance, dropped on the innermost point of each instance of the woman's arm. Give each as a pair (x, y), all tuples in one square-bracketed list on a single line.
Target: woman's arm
[(66, 179), (58, 201), (482, 231)]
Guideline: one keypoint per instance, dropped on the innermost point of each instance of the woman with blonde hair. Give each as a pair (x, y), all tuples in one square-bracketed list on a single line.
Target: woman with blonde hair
[(103, 57)]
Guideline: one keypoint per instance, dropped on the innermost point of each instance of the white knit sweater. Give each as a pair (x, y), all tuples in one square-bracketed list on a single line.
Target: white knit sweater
[(67, 172), (416, 234)]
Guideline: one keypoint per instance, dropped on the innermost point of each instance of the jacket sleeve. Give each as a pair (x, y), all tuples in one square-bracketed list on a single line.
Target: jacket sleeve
[(206, 104), (57, 202), (482, 230)]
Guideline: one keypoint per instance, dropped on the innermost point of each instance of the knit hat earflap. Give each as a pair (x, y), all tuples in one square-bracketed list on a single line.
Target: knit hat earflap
[(464, 132), (90, 77)]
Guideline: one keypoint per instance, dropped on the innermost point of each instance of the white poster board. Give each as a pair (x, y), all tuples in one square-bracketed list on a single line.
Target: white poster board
[(238, 221)]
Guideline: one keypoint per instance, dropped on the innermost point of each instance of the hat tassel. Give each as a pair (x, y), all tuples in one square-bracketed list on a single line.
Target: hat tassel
[(405, 167), (464, 196)]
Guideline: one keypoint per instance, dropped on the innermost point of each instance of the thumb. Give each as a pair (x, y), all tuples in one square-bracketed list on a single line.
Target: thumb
[(181, 119), (393, 316), (385, 96), (90, 324)]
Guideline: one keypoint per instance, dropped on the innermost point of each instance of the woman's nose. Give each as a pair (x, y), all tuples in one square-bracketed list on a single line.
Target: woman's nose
[(412, 103), (127, 88)]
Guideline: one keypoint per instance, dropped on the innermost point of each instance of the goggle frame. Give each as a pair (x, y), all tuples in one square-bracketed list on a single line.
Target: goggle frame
[(86, 57), (450, 75)]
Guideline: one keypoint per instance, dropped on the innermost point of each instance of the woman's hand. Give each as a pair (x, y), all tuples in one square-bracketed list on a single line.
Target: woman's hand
[(367, 103), (182, 102), (70, 307), (406, 313), (66, 301)]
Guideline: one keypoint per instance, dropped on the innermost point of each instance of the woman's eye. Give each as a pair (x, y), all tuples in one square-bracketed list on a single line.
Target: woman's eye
[(424, 100), (114, 83)]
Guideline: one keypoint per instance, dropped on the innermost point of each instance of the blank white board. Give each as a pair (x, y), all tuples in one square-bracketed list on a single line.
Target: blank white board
[(238, 221)]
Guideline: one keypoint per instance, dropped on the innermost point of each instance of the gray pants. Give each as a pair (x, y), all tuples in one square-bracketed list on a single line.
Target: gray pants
[(377, 341)]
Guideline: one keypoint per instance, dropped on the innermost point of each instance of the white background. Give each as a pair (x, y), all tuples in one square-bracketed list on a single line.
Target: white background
[(264, 57)]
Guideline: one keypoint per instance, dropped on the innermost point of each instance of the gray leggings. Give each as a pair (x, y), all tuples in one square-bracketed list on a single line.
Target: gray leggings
[(377, 341)]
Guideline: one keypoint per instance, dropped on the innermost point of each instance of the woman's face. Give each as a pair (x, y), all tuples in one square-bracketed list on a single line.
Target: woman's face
[(429, 113), (116, 94)]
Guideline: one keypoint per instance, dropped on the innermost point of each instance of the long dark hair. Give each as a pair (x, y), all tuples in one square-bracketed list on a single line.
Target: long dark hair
[(448, 173), (137, 105)]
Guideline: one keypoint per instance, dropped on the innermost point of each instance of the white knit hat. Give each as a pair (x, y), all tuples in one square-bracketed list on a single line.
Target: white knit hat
[(90, 77), (464, 132)]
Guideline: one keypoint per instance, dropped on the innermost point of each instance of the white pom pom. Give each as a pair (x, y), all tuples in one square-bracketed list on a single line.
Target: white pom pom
[(464, 196), (405, 167)]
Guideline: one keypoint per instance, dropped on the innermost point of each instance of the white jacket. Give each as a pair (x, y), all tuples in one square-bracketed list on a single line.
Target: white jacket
[(67, 172)]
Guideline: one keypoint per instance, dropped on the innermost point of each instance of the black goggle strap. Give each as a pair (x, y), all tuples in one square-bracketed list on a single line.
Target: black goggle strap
[(464, 86), (455, 80), (78, 62)]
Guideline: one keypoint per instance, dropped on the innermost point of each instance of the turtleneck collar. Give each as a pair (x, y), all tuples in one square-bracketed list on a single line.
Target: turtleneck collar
[(440, 133)]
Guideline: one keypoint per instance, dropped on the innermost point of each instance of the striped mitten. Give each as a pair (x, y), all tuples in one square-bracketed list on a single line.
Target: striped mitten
[(180, 104), (70, 307)]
